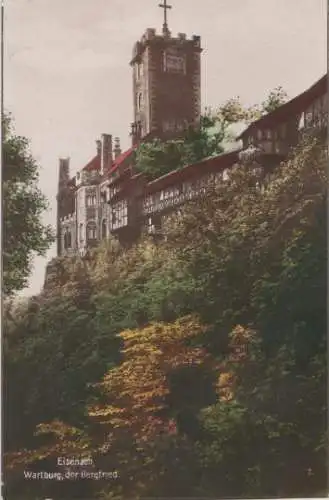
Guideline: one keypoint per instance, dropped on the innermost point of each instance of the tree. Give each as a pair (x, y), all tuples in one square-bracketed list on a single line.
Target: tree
[(135, 423), (275, 99), (234, 408), (24, 233), (158, 158), (142, 385), (260, 255)]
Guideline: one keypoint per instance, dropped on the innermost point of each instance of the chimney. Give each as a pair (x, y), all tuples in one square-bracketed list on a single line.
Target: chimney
[(106, 153), (99, 147), (64, 172), (117, 148)]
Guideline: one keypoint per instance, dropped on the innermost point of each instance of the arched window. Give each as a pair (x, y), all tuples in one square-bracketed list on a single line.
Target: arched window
[(139, 70), (139, 101), (65, 240), (104, 229)]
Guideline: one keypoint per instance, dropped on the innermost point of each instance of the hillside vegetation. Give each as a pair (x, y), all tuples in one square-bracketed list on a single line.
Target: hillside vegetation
[(194, 368)]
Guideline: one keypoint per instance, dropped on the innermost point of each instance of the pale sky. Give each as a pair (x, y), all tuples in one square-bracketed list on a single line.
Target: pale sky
[(68, 79)]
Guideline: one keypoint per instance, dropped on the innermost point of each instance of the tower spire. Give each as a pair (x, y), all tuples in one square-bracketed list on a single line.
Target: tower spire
[(165, 7)]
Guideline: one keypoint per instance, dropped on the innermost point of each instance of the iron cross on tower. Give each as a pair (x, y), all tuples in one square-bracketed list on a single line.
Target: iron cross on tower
[(165, 7)]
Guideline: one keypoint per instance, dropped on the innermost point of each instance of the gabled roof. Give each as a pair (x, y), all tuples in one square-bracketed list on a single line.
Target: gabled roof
[(290, 108), (121, 158), (94, 164)]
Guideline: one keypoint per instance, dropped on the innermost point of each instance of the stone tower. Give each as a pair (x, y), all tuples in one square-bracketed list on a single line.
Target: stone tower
[(166, 83), (65, 199)]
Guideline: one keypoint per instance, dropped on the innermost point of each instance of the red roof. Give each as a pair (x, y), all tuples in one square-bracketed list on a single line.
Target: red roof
[(94, 164), (290, 108), (118, 161)]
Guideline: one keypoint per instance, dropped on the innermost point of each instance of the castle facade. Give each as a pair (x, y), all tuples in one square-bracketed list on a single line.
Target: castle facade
[(107, 197)]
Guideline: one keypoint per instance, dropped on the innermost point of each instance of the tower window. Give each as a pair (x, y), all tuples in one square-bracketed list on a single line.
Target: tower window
[(81, 232), (174, 62), (139, 101), (139, 71), (173, 125)]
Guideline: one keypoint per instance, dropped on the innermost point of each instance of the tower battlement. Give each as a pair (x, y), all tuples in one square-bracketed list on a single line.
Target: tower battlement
[(166, 83), (151, 36)]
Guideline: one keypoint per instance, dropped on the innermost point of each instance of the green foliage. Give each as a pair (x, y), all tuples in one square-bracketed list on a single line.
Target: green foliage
[(24, 233), (210, 348), (275, 99), (157, 158)]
